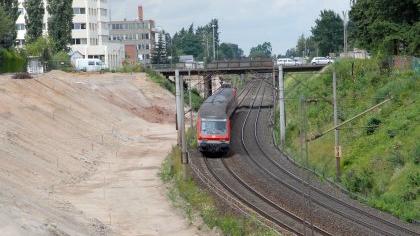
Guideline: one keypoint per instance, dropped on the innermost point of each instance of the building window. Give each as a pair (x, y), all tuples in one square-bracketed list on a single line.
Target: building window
[(20, 27), (79, 11), (104, 25), (93, 41), (93, 26), (77, 26), (20, 10), (78, 41), (93, 11), (104, 12), (119, 26)]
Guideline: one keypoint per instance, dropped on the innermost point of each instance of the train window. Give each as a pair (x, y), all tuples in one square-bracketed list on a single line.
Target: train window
[(213, 127)]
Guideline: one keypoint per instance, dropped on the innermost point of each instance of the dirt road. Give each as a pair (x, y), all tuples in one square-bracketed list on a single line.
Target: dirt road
[(80, 155)]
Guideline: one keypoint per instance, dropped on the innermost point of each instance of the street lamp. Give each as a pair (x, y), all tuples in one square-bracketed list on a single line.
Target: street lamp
[(214, 41), (345, 24)]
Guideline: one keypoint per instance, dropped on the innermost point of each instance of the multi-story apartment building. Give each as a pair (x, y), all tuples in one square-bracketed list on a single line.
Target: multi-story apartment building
[(138, 36), (90, 33), (21, 27)]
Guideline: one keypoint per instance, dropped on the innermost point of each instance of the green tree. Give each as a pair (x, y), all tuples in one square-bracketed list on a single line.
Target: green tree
[(159, 55), (11, 9), (229, 51), (60, 23), (34, 19), (386, 25), (262, 50), (41, 47), (328, 32), (301, 46), (197, 42), (6, 25), (291, 53)]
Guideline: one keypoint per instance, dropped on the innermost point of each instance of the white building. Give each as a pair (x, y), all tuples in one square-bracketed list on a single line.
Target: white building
[(90, 34)]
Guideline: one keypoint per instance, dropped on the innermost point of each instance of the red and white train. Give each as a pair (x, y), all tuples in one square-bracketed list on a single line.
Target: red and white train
[(213, 123)]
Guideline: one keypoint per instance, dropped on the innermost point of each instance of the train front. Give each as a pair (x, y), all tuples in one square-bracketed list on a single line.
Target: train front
[(213, 135)]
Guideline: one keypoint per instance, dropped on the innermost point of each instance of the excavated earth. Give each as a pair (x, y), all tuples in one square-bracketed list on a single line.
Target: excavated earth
[(80, 155)]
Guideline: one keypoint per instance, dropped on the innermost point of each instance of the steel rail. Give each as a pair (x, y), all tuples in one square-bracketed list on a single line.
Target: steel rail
[(298, 191), (319, 230), (247, 202)]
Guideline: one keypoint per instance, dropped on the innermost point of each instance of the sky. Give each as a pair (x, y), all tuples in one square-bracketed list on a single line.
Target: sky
[(244, 22)]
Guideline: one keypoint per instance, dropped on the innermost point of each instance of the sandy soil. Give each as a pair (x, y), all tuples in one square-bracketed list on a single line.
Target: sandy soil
[(80, 155)]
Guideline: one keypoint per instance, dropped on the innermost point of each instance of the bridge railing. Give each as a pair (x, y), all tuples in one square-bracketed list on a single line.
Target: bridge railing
[(232, 64)]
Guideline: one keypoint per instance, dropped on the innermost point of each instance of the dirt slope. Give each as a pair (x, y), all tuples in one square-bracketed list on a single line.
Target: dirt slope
[(80, 153)]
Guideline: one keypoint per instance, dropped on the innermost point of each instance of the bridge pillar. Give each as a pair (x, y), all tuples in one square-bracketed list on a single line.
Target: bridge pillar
[(208, 86), (241, 79)]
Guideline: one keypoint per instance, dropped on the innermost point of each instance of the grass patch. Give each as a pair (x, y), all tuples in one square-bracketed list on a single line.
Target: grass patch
[(196, 99), (381, 150), (187, 195)]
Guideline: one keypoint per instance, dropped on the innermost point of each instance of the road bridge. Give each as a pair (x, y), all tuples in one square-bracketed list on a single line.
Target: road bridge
[(232, 67), (238, 67)]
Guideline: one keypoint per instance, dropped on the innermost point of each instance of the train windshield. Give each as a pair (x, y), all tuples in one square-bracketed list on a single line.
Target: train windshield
[(213, 127)]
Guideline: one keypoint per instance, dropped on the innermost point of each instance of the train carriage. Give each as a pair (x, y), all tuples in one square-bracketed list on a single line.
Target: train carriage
[(213, 123)]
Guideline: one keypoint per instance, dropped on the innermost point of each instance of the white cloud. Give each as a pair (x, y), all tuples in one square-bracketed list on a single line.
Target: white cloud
[(246, 22)]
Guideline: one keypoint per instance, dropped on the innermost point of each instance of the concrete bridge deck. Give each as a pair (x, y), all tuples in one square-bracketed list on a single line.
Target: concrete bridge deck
[(232, 67)]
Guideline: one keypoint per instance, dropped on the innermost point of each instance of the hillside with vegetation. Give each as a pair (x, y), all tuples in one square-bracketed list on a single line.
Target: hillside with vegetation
[(381, 150)]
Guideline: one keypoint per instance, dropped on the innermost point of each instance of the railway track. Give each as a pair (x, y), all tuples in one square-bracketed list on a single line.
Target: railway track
[(255, 200), (260, 182), (378, 224)]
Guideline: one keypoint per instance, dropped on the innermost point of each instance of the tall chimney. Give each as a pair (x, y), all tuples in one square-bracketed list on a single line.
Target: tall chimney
[(140, 13)]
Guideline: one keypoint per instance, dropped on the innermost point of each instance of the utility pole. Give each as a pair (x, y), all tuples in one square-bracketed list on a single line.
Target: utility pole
[(345, 23), (190, 95), (337, 146), (274, 70), (178, 104), (282, 122), (214, 41), (180, 115), (184, 156)]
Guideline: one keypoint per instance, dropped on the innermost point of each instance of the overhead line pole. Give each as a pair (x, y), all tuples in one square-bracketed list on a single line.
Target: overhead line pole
[(190, 95), (214, 42), (337, 146), (179, 84), (282, 117), (178, 109)]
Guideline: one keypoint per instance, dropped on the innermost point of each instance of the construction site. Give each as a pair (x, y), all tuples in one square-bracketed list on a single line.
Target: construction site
[(81, 153)]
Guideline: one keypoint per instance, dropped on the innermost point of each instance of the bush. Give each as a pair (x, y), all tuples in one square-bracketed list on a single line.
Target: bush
[(416, 154), (358, 181), (131, 68), (23, 75), (11, 61), (42, 47), (372, 125), (60, 61)]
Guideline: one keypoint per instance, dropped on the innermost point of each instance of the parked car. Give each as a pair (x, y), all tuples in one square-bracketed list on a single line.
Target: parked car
[(287, 62), (322, 61), (89, 65), (298, 62)]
